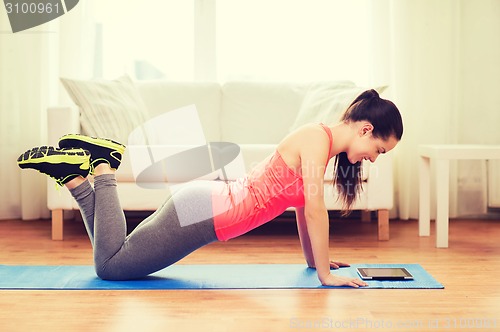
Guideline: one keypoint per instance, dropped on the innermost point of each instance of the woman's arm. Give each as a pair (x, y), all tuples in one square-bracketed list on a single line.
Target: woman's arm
[(318, 231), (313, 158), (317, 228), (305, 241)]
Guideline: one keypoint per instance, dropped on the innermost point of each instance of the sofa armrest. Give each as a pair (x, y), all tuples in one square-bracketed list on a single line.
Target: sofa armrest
[(380, 184), (62, 120)]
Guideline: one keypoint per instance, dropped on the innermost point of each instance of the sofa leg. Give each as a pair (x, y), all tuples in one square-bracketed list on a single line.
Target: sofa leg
[(383, 225), (57, 224)]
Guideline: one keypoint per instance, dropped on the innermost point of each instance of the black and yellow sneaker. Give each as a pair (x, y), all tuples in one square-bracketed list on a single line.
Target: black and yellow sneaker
[(62, 165), (101, 150)]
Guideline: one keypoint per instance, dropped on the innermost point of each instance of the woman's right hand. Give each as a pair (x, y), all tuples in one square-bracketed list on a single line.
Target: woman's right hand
[(332, 280)]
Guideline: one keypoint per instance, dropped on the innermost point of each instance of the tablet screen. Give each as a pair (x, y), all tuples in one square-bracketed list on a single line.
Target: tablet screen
[(384, 273)]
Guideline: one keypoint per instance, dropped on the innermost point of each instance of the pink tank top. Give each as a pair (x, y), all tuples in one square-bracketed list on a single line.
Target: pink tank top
[(254, 200)]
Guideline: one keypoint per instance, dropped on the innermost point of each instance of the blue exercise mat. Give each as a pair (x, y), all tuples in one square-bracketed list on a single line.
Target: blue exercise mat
[(228, 276)]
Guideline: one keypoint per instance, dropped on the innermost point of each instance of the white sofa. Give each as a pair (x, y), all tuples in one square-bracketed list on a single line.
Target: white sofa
[(254, 115)]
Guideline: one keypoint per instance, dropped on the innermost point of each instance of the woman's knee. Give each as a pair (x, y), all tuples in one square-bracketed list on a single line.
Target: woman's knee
[(103, 274)]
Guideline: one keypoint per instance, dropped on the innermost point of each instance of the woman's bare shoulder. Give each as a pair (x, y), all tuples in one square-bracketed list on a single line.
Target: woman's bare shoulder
[(306, 138), (307, 134)]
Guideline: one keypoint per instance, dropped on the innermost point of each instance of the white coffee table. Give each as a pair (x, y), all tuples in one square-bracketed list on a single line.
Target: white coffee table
[(441, 156)]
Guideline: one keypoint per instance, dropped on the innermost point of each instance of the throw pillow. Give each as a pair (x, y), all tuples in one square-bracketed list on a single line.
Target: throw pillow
[(326, 102), (108, 109)]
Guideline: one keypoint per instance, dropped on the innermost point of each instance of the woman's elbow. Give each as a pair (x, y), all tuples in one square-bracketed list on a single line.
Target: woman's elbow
[(315, 211)]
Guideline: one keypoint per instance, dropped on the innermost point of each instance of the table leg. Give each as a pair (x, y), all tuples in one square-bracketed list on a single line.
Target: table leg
[(424, 219), (442, 196)]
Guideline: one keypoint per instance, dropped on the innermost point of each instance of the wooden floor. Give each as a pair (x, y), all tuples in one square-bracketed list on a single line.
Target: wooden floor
[(468, 269)]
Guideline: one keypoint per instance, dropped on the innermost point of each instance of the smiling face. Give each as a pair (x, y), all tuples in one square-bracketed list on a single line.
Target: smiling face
[(365, 146)]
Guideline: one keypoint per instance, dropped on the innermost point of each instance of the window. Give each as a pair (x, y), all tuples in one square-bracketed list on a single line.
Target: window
[(147, 39), (293, 40), (278, 40)]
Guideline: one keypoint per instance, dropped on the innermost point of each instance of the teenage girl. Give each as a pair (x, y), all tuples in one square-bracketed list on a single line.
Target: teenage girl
[(202, 212)]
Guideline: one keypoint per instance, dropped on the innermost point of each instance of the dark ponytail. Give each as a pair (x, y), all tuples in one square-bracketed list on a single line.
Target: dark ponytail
[(347, 179), (386, 121)]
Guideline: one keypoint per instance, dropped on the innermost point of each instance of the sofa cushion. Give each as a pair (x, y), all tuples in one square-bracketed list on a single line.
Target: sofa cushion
[(110, 109), (162, 96), (147, 165), (326, 102), (258, 113)]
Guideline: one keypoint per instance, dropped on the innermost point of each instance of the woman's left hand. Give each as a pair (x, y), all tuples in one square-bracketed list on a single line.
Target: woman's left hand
[(336, 265)]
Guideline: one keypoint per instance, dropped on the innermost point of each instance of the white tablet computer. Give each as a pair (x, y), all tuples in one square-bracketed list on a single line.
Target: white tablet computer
[(384, 273)]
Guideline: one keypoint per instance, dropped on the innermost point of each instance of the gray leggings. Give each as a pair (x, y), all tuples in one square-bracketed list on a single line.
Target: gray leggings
[(157, 242)]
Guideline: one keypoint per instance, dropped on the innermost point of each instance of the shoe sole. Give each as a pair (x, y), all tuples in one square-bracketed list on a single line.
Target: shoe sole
[(51, 156), (47, 160), (102, 142)]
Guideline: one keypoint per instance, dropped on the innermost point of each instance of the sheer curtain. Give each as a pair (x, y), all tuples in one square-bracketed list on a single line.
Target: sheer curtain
[(440, 59), (24, 95), (31, 63)]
